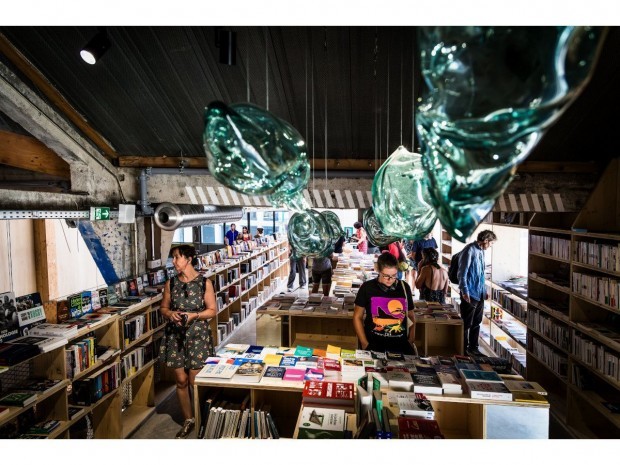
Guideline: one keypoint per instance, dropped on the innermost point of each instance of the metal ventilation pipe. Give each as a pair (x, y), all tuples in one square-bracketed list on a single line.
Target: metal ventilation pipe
[(170, 216)]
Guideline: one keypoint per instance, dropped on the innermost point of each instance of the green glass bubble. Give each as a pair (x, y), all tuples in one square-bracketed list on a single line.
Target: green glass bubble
[(373, 230), (254, 152), (295, 202), (310, 234), (400, 198), (490, 94), (334, 222)]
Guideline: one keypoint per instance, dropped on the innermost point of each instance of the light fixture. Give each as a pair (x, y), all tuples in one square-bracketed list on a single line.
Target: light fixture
[(95, 48)]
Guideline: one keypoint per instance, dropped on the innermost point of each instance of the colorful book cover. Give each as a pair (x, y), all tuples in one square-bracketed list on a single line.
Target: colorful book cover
[(288, 361), (294, 374), (75, 305), (86, 302), (274, 372), (9, 328), (302, 351), (314, 374), (272, 359)]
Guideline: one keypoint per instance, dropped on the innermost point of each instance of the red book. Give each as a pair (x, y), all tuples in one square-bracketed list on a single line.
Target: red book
[(417, 428), (328, 392)]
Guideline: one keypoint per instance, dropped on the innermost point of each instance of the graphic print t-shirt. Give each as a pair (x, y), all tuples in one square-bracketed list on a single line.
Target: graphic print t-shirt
[(386, 311)]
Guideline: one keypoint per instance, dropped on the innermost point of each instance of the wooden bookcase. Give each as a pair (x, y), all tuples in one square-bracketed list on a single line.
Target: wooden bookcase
[(268, 267), (570, 312), (283, 398)]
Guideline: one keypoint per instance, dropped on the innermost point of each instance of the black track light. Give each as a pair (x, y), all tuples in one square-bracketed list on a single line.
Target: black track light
[(95, 48)]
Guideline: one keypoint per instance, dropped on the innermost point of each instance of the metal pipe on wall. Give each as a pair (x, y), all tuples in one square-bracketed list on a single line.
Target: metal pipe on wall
[(169, 216)]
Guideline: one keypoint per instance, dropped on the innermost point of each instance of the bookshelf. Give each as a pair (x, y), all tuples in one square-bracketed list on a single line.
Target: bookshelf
[(574, 320), (242, 282)]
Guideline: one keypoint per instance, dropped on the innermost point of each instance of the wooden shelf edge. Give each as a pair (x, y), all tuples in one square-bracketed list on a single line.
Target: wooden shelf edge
[(15, 411)]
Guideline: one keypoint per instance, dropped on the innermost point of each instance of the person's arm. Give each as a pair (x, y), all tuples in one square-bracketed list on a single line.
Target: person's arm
[(358, 325), (362, 234), (419, 282), (211, 308), (447, 279), (464, 264), (411, 316), (165, 309)]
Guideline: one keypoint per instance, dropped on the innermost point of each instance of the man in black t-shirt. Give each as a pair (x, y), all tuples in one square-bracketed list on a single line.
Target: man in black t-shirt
[(382, 306)]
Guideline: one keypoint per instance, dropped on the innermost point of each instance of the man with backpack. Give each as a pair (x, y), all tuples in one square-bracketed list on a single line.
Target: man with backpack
[(470, 278)]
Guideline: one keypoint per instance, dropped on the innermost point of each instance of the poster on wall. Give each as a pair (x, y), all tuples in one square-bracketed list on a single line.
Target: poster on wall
[(9, 323)]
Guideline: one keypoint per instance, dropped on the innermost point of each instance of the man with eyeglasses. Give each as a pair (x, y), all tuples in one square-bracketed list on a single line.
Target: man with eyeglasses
[(382, 307), (471, 286)]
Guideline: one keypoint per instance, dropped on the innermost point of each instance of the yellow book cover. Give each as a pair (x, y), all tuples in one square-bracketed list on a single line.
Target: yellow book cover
[(272, 359), (333, 352)]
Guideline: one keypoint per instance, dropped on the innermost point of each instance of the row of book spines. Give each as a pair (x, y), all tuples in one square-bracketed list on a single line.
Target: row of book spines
[(596, 355), (545, 325), (238, 423), (604, 256), (134, 328), (136, 359), (549, 355), (553, 246), (602, 289), (88, 390), (80, 356)]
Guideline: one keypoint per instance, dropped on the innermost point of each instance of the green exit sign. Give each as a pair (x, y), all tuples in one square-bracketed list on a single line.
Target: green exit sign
[(99, 213)]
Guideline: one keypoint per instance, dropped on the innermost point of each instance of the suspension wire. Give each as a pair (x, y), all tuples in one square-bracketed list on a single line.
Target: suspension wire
[(325, 97), (387, 128), (267, 67), (247, 61), (413, 92), (374, 73), (402, 46), (312, 101)]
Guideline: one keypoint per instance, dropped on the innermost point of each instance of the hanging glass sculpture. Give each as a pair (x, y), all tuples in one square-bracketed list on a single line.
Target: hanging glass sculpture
[(373, 230), (334, 223), (400, 197), (491, 92), (253, 152), (295, 202), (309, 234)]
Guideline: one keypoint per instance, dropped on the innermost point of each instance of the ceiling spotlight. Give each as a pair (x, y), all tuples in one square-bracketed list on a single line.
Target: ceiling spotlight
[(95, 48)]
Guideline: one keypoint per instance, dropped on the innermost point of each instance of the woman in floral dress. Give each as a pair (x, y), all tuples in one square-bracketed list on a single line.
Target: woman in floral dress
[(188, 303)]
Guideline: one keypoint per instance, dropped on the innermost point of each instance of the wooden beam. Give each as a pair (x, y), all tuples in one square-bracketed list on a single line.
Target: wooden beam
[(32, 73), (30, 154), (347, 164), (45, 263)]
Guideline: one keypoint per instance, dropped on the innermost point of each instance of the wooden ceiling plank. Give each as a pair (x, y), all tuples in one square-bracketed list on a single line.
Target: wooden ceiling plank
[(28, 153), (32, 73)]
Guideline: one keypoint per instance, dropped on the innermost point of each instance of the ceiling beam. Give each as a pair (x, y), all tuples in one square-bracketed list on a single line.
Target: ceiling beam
[(28, 153), (32, 73), (346, 164)]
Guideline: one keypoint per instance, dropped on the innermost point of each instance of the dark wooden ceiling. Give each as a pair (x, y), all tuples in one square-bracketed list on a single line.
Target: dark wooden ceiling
[(147, 95)]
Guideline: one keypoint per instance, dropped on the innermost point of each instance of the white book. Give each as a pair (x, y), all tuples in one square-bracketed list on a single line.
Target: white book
[(219, 371), (399, 381)]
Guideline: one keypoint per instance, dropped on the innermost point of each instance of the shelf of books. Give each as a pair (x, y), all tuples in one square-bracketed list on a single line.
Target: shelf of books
[(244, 275), (574, 317), (445, 248), (302, 392)]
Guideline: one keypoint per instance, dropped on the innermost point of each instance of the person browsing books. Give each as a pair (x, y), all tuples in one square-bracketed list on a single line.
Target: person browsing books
[(245, 234), (382, 307), (432, 279), (360, 237), (471, 287), (232, 234), (322, 274), (188, 303), (259, 233)]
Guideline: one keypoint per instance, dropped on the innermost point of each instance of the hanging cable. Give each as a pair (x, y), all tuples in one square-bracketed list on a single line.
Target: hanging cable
[(387, 126), (374, 74), (267, 68), (402, 46), (325, 98), (247, 61), (413, 92), (312, 102)]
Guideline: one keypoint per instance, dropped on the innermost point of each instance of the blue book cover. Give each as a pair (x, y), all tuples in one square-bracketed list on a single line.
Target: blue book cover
[(288, 361), (255, 349), (480, 375)]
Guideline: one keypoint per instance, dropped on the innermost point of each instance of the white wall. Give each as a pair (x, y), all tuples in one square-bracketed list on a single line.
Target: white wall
[(75, 266), (17, 265), (347, 216)]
